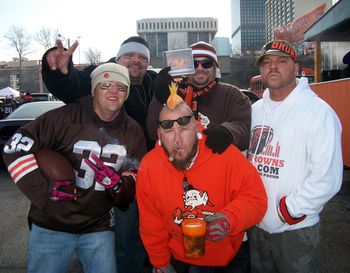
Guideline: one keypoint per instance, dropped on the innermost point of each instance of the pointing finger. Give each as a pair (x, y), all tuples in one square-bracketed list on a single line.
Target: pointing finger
[(72, 48)]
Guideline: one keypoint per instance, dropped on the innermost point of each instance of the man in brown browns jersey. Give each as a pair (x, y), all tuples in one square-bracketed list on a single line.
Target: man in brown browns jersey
[(104, 146)]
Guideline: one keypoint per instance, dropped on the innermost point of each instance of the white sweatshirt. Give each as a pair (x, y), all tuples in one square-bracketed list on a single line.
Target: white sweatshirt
[(299, 155)]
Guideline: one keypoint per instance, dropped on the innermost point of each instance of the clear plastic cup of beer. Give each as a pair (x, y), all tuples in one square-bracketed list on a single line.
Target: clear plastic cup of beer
[(194, 237)]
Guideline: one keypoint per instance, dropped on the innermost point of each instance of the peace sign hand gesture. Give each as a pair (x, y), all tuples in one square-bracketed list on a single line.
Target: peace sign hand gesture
[(59, 58)]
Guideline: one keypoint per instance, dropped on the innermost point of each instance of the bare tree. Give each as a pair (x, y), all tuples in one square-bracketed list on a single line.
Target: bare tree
[(46, 37), (19, 40), (93, 56)]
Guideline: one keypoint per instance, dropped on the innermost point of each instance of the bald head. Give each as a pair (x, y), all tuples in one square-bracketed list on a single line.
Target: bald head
[(182, 108)]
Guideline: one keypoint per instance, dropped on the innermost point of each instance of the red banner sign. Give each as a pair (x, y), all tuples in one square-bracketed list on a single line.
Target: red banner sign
[(294, 31)]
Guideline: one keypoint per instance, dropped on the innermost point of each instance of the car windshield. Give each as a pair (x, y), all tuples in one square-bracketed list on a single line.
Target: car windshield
[(43, 97), (34, 109)]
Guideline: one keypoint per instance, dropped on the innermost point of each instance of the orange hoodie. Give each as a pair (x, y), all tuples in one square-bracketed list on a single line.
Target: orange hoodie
[(225, 183)]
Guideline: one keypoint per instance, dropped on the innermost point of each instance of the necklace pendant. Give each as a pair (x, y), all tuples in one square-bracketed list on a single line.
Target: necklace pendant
[(184, 183)]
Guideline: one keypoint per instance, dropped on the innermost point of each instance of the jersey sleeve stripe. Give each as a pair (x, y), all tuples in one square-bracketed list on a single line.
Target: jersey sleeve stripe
[(22, 166)]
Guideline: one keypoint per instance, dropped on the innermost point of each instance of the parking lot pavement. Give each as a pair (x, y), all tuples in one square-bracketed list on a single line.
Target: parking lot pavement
[(335, 230)]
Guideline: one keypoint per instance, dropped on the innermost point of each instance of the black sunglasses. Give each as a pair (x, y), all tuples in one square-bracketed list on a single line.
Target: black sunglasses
[(205, 63), (168, 123)]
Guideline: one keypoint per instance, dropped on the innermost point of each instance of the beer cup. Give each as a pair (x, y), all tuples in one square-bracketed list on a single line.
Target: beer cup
[(194, 237)]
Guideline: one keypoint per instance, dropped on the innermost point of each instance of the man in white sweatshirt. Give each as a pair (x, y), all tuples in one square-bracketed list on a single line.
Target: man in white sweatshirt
[(296, 147)]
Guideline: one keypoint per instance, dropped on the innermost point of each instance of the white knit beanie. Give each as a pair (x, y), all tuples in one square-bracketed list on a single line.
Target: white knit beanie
[(110, 72)]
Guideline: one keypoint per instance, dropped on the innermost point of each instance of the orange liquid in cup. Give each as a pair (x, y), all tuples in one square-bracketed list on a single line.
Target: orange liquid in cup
[(194, 237)]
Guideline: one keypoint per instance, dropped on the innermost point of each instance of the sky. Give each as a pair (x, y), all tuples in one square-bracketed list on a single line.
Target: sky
[(102, 24)]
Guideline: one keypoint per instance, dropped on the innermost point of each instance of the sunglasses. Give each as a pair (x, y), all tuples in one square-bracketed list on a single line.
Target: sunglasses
[(204, 63), (109, 85), (168, 123)]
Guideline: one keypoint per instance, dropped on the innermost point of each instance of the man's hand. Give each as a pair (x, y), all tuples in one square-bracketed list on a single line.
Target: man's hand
[(217, 226), (284, 215), (164, 269), (104, 175), (59, 58), (218, 138), (126, 191), (161, 84), (63, 190)]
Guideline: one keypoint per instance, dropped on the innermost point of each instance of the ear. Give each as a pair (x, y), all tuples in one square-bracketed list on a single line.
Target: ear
[(296, 71), (158, 134)]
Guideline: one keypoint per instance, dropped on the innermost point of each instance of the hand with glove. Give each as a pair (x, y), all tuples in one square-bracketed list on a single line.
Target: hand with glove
[(63, 190), (284, 214), (126, 191), (104, 175), (160, 86), (164, 269), (218, 138), (217, 226), (122, 188)]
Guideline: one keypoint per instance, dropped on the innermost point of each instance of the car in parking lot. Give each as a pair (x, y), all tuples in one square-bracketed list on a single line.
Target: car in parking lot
[(42, 97), (23, 115), (253, 97)]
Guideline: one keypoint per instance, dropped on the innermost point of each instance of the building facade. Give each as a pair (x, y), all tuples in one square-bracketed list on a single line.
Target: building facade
[(248, 25), (164, 34)]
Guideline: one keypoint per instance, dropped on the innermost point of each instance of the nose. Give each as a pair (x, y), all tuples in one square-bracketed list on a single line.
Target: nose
[(177, 140), (273, 64)]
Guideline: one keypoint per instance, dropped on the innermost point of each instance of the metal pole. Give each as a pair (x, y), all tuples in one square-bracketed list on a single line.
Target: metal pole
[(317, 57)]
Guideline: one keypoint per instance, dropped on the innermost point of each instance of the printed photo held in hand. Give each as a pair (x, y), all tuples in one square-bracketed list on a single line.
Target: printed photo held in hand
[(180, 62)]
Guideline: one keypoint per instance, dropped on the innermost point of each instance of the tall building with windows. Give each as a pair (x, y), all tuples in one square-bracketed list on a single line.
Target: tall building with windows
[(164, 34), (248, 25), (282, 12)]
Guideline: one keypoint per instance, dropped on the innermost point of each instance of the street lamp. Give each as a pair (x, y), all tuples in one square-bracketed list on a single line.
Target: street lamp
[(64, 39), (79, 47)]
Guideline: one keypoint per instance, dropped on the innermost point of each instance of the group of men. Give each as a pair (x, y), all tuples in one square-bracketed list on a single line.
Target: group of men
[(118, 126)]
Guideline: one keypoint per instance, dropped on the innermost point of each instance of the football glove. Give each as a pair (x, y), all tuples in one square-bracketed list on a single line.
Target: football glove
[(284, 214), (218, 138), (217, 226), (104, 175), (161, 84), (63, 190)]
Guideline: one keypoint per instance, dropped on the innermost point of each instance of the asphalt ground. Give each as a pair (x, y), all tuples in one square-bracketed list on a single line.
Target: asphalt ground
[(335, 230)]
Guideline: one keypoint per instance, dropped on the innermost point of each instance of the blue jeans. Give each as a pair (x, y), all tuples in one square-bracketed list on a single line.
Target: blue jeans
[(51, 251), (130, 252)]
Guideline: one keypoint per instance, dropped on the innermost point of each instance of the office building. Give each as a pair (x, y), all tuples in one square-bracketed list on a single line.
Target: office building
[(248, 25), (164, 34)]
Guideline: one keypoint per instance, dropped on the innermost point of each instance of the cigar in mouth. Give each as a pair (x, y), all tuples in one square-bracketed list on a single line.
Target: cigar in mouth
[(172, 155)]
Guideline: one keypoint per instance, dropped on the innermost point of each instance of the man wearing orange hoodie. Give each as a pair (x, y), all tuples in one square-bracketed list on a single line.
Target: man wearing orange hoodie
[(182, 178)]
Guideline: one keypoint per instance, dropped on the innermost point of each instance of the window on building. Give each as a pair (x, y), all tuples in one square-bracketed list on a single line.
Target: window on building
[(152, 42), (203, 36), (162, 43), (192, 37)]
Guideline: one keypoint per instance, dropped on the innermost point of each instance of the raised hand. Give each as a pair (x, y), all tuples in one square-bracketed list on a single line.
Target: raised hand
[(59, 58), (104, 175), (161, 84)]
